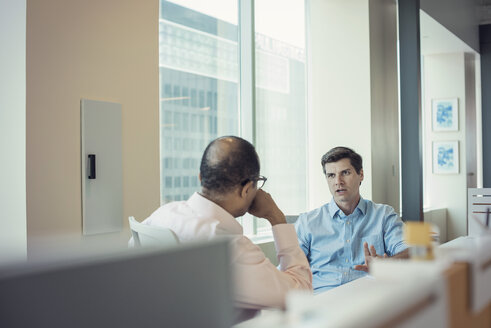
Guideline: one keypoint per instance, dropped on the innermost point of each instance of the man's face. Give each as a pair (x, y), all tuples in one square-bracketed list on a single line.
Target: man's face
[(343, 181), (245, 202)]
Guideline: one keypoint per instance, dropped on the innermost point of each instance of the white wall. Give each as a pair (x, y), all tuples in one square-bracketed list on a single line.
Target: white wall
[(353, 93), (339, 81), (12, 128), (444, 77)]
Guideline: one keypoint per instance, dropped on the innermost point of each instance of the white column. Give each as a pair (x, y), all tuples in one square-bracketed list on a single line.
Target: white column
[(13, 235), (339, 82)]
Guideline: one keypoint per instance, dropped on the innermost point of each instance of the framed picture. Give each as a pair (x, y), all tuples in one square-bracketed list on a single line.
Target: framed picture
[(445, 157), (445, 114)]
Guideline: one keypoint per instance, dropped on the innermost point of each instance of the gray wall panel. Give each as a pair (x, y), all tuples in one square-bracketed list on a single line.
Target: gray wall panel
[(485, 36)]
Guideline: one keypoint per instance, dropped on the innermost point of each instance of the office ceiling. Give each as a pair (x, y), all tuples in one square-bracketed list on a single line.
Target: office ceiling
[(436, 39)]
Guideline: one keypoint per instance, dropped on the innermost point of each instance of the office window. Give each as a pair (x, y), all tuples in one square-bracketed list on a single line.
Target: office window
[(168, 119), (202, 100), (198, 58), (177, 120), (185, 122), (199, 95), (209, 99), (177, 92), (202, 123), (177, 162), (167, 90), (177, 147), (168, 140), (168, 163), (185, 96), (194, 98), (281, 116)]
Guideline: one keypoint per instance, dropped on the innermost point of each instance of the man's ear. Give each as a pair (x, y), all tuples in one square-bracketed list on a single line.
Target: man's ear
[(199, 176), (246, 189), (361, 176)]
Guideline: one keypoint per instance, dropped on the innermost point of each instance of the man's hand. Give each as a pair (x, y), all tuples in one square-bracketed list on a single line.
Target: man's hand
[(263, 206), (370, 253)]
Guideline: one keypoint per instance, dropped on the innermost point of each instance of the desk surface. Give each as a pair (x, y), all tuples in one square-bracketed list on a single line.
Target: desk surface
[(365, 302)]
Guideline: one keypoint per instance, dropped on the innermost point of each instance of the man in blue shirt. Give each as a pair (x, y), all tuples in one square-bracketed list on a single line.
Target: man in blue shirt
[(341, 237)]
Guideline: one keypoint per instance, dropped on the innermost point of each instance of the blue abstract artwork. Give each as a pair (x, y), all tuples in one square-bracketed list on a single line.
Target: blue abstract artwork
[(445, 157), (445, 115)]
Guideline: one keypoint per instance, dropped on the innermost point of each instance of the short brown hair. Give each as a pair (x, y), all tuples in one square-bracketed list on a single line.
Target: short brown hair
[(338, 153)]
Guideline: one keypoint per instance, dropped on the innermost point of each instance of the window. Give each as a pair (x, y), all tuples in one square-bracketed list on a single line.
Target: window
[(200, 87), (198, 59), (281, 116)]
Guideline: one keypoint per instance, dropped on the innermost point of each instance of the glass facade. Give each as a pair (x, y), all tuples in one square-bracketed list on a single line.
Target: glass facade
[(199, 101), (281, 116), (198, 93)]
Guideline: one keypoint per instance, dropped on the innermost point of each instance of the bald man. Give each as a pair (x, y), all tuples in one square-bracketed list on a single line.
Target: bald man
[(230, 187)]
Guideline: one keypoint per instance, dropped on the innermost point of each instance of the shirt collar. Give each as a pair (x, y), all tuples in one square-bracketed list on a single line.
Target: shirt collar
[(335, 210), (206, 208)]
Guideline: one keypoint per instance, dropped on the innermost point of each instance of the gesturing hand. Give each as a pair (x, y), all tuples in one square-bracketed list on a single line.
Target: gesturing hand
[(370, 253)]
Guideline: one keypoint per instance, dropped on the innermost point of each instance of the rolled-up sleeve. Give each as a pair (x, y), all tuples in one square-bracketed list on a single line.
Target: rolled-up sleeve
[(258, 283), (302, 235), (393, 234)]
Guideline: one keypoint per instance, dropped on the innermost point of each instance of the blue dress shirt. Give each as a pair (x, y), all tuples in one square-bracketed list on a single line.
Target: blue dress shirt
[(333, 241)]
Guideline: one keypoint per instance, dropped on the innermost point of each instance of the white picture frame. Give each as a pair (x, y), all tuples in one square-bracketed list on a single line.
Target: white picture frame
[(446, 157), (445, 113)]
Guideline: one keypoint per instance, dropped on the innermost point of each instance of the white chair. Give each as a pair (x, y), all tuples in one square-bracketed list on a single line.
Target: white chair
[(145, 235), (479, 200), (291, 218)]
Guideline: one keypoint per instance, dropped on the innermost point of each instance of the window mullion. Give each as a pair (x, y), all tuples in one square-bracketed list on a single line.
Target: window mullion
[(247, 85), (247, 70)]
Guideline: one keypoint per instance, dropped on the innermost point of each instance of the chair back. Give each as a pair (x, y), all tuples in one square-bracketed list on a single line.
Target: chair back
[(145, 235), (478, 203), (291, 218)]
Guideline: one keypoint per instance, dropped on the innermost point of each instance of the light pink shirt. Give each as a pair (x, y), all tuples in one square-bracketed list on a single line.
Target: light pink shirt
[(258, 283)]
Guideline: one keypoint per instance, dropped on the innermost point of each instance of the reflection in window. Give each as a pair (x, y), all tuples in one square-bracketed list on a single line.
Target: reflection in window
[(281, 116)]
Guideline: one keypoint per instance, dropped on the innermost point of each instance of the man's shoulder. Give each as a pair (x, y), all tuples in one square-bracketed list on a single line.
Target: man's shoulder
[(168, 211), (378, 208), (171, 206), (315, 213)]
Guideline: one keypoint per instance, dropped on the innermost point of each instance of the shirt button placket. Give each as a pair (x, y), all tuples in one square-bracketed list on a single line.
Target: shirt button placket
[(348, 242)]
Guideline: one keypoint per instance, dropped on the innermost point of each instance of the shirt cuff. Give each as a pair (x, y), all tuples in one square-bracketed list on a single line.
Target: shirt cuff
[(400, 248), (285, 236)]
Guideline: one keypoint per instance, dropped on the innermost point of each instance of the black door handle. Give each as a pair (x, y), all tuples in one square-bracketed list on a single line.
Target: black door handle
[(91, 166)]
